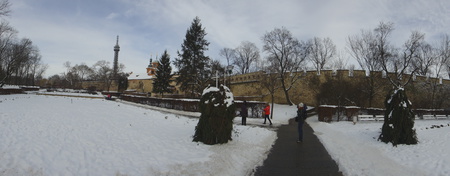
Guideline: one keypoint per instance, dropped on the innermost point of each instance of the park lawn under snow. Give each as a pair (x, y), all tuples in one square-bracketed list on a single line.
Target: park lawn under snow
[(53, 135), (358, 152)]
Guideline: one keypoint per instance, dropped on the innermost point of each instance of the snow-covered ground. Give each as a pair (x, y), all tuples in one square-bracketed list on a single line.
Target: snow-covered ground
[(356, 150), (54, 135)]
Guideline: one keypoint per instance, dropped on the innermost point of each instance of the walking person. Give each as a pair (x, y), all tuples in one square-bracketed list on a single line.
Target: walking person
[(300, 119), (267, 113), (244, 113)]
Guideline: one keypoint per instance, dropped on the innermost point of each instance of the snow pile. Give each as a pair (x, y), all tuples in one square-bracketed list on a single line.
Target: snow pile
[(7, 86), (229, 99), (73, 94)]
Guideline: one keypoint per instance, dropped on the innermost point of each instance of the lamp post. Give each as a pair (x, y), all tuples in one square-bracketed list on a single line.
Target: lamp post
[(229, 70), (217, 78)]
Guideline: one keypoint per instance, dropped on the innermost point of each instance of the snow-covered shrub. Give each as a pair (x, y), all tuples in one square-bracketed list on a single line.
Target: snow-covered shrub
[(217, 112), (398, 127)]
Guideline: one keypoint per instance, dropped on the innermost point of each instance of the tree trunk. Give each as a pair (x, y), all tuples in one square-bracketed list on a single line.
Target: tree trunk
[(271, 108), (286, 92)]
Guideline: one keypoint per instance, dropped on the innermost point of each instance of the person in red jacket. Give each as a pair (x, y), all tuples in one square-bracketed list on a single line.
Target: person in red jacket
[(267, 113)]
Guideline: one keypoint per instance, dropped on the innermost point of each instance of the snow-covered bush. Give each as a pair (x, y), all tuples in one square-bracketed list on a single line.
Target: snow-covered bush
[(217, 109), (398, 127)]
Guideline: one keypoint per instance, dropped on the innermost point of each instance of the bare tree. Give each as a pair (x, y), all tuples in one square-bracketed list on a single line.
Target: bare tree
[(15, 57), (103, 73), (246, 55), (84, 71), (424, 59), (34, 68), (401, 62), (437, 93), (398, 126), (269, 81), (39, 70), (340, 62), (364, 49), (228, 53), (77, 74), (287, 55), (7, 37), (322, 51), (368, 49), (69, 76), (4, 8), (443, 61), (445, 53)]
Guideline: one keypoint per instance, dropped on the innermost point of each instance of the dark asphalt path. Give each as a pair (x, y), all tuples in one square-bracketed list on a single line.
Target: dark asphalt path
[(287, 157)]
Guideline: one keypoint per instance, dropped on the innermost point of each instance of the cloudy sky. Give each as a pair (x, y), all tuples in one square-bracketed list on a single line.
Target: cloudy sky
[(84, 31)]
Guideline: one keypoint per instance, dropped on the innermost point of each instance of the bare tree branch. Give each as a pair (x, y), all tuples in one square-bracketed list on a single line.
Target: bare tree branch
[(287, 55), (246, 56), (322, 51)]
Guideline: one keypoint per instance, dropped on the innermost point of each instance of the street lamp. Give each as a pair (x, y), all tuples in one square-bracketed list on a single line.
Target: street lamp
[(229, 70)]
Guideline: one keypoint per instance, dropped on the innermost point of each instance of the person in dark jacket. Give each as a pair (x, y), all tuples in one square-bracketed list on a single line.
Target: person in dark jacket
[(301, 116), (244, 113)]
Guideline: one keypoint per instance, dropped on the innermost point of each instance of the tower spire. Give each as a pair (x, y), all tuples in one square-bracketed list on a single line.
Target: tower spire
[(151, 60), (117, 47), (116, 57)]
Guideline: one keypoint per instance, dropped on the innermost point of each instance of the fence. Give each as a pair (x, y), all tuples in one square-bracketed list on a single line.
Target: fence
[(10, 91), (191, 105), (329, 113)]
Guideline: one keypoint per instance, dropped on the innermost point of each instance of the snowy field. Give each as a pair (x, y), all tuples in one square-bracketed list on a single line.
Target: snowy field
[(356, 150), (54, 135)]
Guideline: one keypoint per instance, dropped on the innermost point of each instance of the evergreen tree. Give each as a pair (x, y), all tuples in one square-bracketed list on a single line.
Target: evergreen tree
[(123, 82), (163, 75), (193, 65), (398, 127), (217, 109)]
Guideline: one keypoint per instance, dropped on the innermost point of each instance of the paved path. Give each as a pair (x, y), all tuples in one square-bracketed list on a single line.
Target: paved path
[(288, 157)]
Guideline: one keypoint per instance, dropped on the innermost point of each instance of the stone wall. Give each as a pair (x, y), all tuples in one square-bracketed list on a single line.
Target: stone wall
[(306, 89)]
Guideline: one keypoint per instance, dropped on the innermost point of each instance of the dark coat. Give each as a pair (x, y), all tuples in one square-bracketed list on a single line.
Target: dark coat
[(304, 111), (299, 117), (301, 114), (244, 111)]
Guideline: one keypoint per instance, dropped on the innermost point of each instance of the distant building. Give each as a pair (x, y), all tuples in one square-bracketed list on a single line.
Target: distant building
[(143, 82)]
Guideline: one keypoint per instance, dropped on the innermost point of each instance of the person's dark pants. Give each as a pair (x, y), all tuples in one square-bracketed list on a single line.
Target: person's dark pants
[(244, 120), (300, 130), (267, 117)]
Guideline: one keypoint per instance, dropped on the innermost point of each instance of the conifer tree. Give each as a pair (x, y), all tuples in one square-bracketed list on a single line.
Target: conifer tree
[(163, 75), (217, 109), (398, 127), (193, 66)]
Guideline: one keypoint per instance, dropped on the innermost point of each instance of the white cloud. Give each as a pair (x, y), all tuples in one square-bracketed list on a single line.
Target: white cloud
[(112, 16), (150, 26)]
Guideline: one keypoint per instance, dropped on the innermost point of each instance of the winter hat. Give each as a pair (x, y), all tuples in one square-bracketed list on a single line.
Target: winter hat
[(300, 105)]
